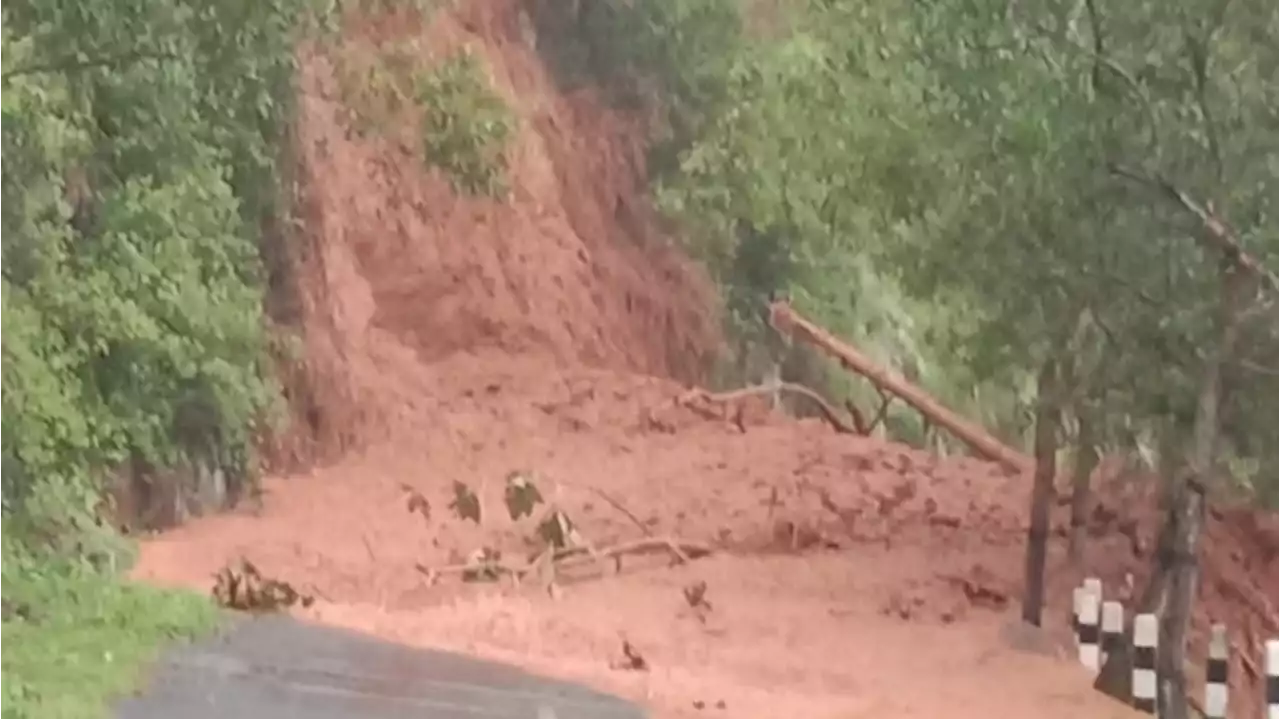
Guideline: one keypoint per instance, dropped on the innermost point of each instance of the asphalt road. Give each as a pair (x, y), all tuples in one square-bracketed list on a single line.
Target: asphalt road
[(275, 667)]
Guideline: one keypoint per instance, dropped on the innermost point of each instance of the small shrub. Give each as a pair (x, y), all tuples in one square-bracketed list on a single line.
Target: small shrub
[(465, 125)]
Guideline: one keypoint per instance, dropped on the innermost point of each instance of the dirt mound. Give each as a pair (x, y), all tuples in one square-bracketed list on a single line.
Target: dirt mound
[(837, 560), (395, 271), (758, 483)]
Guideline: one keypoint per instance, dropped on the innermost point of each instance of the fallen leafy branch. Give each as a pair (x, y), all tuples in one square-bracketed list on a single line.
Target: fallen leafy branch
[(243, 588), (632, 659), (567, 557)]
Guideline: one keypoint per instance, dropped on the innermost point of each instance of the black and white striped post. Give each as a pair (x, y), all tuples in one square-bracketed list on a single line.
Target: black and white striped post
[(1089, 651), (1146, 633), (1093, 585), (1273, 679), (1077, 599), (1215, 680), (1112, 628)]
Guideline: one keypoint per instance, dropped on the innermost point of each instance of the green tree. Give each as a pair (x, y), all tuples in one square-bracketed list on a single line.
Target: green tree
[(1012, 204), (142, 146)]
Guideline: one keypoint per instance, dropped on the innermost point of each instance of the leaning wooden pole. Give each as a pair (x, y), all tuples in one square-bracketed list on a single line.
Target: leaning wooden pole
[(788, 322)]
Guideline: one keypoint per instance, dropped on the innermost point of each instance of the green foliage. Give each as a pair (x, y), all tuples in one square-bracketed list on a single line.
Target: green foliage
[(78, 638), (141, 148), (466, 126), (932, 182), (1040, 229), (375, 83), (808, 206), (666, 56)]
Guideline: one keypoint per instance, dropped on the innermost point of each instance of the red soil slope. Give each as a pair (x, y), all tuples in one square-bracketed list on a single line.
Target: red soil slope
[(397, 272), (448, 339)]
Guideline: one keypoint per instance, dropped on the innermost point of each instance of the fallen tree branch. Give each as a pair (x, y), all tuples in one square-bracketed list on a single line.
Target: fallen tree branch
[(612, 503), (575, 556), (1248, 365), (829, 413), (1220, 236), (876, 421), (618, 506), (788, 322)]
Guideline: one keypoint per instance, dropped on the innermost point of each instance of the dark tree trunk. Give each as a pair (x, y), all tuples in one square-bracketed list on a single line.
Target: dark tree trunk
[(1187, 512), (1082, 474), (1181, 590), (1046, 446)]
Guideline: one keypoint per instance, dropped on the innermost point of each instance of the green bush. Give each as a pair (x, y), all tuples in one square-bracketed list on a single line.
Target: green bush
[(76, 637), (140, 170), (465, 125)]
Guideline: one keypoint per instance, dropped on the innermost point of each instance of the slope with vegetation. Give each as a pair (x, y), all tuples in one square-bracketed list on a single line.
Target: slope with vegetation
[(1056, 217), (142, 156)]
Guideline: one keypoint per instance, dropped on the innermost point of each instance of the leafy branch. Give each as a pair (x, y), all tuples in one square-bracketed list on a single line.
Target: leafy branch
[(563, 546), (1220, 236)]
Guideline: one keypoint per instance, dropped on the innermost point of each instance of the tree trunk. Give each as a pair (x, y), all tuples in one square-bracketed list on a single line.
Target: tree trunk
[(1082, 474), (1172, 687), (1189, 504), (1155, 596), (1046, 448), (788, 322)]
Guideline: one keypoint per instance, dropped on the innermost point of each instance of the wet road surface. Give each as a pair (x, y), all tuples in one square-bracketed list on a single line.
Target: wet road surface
[(276, 667)]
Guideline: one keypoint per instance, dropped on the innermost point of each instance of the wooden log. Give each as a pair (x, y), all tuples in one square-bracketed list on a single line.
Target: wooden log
[(787, 321)]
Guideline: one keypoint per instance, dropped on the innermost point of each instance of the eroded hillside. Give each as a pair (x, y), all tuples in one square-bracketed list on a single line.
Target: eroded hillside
[(396, 271)]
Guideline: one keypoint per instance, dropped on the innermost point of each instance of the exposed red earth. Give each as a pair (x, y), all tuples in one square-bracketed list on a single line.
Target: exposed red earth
[(447, 339)]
